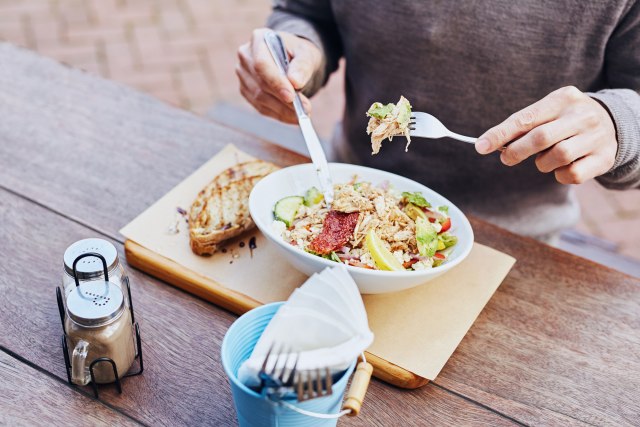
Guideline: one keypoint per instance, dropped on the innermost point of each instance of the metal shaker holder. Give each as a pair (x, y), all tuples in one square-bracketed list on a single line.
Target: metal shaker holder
[(65, 346)]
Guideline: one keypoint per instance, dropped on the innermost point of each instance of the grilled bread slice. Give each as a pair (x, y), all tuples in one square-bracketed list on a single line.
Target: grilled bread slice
[(221, 210), (243, 170)]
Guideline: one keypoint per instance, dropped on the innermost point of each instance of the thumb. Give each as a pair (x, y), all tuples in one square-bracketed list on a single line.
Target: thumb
[(301, 68)]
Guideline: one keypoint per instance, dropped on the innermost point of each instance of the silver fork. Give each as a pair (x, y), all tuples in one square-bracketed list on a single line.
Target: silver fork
[(314, 384), (278, 379), (423, 125)]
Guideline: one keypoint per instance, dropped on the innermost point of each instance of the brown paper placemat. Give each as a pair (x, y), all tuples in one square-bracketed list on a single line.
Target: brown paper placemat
[(417, 329)]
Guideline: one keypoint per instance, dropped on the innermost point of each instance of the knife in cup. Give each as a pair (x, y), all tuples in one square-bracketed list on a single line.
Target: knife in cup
[(279, 54)]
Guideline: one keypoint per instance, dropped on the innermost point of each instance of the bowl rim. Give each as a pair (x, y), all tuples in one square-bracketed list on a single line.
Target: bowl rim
[(266, 228)]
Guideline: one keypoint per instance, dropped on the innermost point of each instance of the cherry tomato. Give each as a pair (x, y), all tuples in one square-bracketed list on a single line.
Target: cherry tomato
[(446, 225)]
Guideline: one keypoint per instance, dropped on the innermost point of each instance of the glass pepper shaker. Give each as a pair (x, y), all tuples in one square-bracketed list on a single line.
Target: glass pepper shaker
[(90, 268), (99, 329)]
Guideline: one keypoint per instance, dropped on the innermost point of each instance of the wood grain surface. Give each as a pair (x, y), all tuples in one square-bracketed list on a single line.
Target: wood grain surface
[(80, 156), (562, 332), (183, 382), (29, 397)]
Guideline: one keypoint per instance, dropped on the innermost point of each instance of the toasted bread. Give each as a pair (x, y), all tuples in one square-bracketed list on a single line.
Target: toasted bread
[(243, 170), (221, 210)]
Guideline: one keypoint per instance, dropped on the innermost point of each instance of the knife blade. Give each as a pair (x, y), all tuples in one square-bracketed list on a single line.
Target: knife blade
[(318, 158)]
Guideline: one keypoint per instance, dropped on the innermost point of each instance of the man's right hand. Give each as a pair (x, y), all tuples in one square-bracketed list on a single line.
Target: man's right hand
[(261, 83)]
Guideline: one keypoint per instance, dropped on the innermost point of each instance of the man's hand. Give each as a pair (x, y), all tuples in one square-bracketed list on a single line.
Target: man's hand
[(570, 133), (261, 83)]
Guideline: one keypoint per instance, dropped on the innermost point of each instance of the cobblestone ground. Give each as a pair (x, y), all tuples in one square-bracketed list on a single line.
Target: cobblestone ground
[(183, 52)]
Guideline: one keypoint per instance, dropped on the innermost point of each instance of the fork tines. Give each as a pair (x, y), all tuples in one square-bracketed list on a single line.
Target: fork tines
[(313, 384), (278, 374), (412, 122)]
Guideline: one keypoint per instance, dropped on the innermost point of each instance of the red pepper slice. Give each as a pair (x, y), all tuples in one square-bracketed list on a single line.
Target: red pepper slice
[(337, 229)]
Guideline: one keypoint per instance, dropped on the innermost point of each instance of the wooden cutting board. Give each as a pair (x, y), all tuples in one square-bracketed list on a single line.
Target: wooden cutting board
[(236, 302)]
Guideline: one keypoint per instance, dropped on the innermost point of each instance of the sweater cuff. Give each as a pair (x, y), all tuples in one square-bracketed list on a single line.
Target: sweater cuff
[(282, 21), (620, 105)]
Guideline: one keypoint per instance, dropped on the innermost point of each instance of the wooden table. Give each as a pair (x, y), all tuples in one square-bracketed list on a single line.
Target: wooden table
[(559, 343)]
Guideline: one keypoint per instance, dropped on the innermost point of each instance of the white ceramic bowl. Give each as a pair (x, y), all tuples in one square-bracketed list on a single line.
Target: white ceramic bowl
[(295, 180)]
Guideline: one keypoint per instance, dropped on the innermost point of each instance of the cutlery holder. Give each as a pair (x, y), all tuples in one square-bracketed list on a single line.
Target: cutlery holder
[(253, 409)]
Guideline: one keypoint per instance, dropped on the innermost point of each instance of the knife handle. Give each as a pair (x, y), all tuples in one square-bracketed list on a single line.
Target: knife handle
[(281, 58), (278, 52)]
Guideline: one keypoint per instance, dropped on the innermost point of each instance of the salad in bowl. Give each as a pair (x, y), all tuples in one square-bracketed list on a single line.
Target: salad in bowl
[(368, 226), (390, 233)]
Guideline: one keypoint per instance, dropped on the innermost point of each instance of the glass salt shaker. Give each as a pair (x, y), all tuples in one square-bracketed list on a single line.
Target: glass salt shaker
[(99, 329), (90, 268)]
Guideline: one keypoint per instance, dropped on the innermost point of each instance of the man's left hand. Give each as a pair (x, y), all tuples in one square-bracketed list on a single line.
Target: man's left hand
[(569, 132)]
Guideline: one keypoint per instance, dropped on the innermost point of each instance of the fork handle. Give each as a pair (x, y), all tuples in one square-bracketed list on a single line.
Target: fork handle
[(358, 388), (459, 137)]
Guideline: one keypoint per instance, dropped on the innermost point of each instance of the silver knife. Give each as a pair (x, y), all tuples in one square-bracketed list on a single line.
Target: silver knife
[(279, 54)]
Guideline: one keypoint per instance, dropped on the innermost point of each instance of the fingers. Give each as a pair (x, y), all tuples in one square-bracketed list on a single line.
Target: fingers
[(582, 170), (265, 102), (306, 103), (266, 69), (303, 64), (566, 152), (518, 124), (540, 139), (261, 82), (572, 134)]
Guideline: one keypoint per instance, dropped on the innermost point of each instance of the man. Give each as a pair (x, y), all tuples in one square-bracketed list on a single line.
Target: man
[(556, 84)]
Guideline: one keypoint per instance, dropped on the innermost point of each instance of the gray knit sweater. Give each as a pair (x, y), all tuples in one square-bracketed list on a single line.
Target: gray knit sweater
[(473, 63)]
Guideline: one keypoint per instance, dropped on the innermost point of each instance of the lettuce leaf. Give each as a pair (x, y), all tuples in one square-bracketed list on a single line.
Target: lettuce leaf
[(448, 239), (427, 237), (380, 111), (403, 112), (417, 199)]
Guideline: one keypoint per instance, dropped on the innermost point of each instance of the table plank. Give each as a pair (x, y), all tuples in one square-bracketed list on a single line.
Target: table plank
[(535, 351), (29, 397), (183, 382), (96, 149), (560, 336), (180, 334)]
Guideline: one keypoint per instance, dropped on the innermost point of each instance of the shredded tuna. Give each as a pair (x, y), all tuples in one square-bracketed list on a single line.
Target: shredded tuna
[(393, 124), (357, 208)]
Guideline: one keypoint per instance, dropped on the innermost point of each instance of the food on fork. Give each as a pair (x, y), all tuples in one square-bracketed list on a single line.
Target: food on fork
[(367, 226), (387, 121), (221, 210)]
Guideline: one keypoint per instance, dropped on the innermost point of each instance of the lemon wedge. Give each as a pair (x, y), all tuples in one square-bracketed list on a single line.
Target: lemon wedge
[(382, 257)]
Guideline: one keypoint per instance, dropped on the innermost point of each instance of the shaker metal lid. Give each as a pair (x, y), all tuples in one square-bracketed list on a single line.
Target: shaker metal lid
[(94, 303), (90, 266)]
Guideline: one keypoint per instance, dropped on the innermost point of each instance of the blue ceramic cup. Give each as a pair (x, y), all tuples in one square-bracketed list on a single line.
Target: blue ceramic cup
[(253, 409)]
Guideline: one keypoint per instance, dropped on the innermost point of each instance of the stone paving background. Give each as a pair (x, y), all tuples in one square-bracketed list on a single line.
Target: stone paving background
[(184, 52)]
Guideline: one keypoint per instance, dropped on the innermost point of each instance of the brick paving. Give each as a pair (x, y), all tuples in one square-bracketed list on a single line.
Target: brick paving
[(184, 52)]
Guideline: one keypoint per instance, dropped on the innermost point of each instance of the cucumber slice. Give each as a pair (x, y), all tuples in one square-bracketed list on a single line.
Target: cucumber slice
[(312, 197), (286, 209)]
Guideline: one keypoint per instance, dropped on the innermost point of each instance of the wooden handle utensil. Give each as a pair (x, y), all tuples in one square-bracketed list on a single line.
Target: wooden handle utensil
[(358, 388)]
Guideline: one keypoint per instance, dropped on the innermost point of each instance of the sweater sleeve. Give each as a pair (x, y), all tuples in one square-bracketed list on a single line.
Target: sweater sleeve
[(622, 72), (312, 20)]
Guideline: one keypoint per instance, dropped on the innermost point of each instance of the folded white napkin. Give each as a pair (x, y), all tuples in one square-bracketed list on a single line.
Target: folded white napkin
[(324, 322)]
